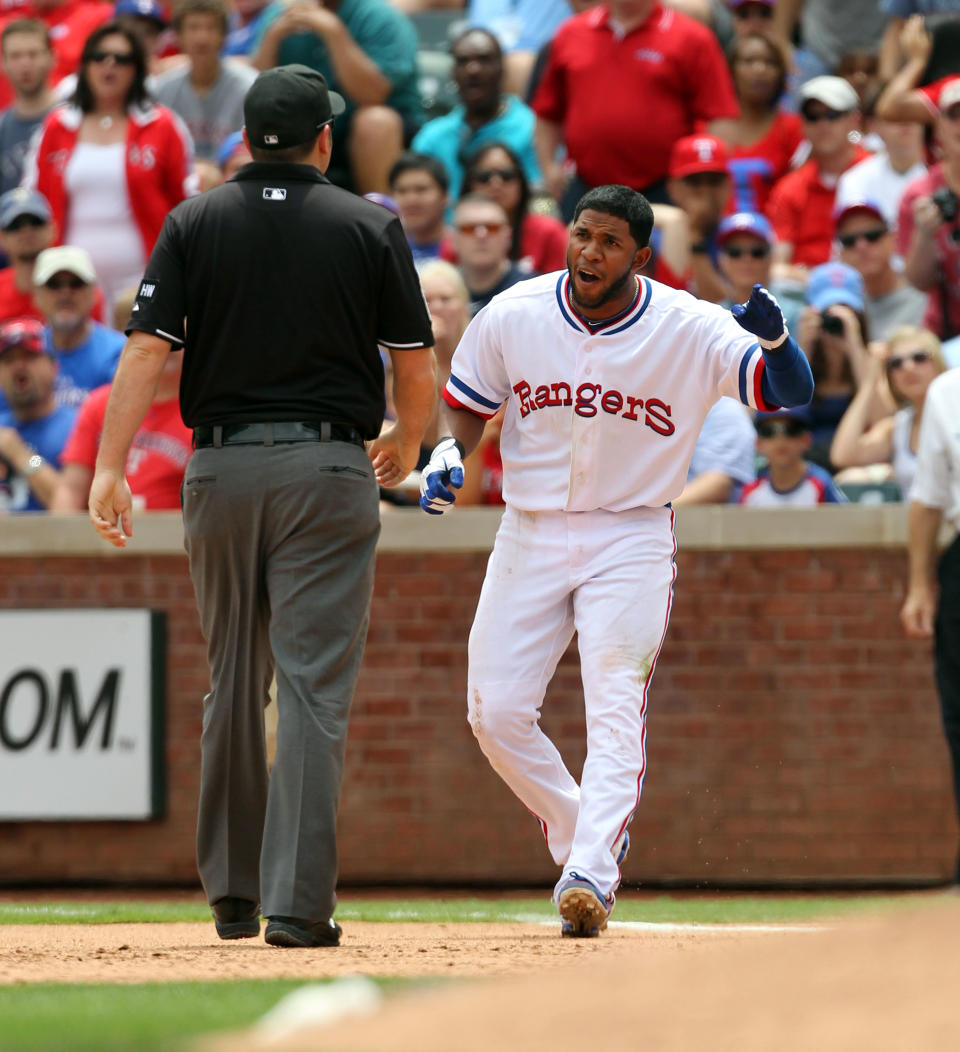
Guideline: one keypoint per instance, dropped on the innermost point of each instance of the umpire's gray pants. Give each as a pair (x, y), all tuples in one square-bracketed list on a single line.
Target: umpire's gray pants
[(281, 541)]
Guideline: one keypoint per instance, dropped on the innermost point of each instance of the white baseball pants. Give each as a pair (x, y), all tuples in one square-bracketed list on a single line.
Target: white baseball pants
[(609, 577)]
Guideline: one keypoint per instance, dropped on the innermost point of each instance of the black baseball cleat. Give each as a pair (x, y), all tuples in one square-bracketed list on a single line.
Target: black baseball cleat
[(292, 931), (236, 918)]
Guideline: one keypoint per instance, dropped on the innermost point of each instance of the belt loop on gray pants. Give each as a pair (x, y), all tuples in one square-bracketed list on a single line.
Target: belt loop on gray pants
[(217, 436), (325, 431), (268, 434)]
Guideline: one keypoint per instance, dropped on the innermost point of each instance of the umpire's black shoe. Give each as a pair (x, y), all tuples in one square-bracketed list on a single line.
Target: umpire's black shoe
[(236, 918), (292, 931)]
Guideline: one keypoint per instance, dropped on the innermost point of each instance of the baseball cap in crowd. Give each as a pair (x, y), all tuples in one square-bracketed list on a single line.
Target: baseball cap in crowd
[(141, 9), (864, 204), (230, 145), (797, 418), (22, 332), (694, 154), (287, 106), (834, 92), (71, 258), (949, 95), (23, 202), (745, 223), (383, 199), (833, 283)]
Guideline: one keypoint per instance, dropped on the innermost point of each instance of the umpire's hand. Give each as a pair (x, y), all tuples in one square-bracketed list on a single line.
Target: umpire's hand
[(394, 455), (444, 469), (111, 507)]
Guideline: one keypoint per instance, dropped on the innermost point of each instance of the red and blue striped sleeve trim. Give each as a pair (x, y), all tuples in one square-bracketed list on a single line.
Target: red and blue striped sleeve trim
[(752, 368), (459, 395)]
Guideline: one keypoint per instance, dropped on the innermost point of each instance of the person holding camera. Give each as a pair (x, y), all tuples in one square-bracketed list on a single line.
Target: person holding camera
[(929, 226), (833, 333)]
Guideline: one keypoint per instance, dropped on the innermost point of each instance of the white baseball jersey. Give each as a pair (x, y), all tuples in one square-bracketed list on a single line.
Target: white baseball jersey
[(600, 417), (937, 481)]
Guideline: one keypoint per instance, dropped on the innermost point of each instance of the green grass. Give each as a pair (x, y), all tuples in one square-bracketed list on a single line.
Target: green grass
[(676, 909), (148, 1017)]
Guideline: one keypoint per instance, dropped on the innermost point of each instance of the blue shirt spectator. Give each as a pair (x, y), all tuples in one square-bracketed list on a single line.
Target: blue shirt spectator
[(33, 428), (484, 114)]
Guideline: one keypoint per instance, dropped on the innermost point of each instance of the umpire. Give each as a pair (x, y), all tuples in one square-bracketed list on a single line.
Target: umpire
[(279, 287)]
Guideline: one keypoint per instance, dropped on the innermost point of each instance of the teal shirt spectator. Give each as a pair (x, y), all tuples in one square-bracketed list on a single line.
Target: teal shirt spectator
[(451, 140), (385, 35)]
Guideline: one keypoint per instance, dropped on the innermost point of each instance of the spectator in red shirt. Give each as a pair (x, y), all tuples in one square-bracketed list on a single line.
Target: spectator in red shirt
[(802, 203), (26, 229), (764, 138), (70, 23), (623, 82), (538, 242), (928, 230), (158, 456)]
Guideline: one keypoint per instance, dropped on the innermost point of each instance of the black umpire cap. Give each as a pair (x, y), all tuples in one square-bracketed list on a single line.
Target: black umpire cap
[(287, 106)]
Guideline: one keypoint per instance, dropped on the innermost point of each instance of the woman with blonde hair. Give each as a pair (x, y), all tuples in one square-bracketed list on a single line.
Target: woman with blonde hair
[(902, 369)]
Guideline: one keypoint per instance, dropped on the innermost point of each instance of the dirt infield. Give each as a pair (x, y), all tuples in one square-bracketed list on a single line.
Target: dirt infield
[(887, 985), (137, 953), (887, 982)]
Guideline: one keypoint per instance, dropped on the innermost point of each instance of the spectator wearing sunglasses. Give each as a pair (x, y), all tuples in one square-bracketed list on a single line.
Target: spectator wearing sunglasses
[(867, 244), (87, 352), (801, 204), (745, 243), (485, 114), (788, 479), (538, 242), (902, 368), (481, 240), (111, 162), (26, 229)]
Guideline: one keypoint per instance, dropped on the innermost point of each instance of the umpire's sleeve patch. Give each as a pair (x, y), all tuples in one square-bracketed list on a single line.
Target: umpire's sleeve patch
[(148, 290)]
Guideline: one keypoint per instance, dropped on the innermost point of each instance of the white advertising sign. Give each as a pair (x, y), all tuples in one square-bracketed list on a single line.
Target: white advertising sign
[(81, 714)]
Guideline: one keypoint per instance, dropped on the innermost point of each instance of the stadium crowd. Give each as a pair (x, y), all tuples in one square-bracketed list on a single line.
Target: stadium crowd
[(810, 146)]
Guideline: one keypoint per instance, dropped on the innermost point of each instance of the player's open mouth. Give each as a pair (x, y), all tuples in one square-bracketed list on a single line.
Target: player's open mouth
[(587, 277)]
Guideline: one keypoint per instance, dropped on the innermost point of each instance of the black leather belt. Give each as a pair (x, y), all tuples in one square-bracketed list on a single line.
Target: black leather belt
[(269, 434)]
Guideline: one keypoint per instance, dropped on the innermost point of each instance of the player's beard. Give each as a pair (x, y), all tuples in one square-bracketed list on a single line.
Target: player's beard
[(605, 295)]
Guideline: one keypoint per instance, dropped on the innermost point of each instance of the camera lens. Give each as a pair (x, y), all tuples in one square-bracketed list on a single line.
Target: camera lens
[(832, 324)]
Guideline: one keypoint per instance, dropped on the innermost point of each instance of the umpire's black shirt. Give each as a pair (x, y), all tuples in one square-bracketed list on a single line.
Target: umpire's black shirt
[(281, 286)]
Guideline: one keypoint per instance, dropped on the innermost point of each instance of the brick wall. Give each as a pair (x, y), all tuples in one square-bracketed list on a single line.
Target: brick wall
[(794, 735)]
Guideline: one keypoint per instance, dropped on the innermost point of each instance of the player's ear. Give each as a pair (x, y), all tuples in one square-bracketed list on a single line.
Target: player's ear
[(642, 257)]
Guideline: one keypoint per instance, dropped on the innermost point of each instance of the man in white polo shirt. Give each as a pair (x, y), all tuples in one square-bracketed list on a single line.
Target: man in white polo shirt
[(935, 496)]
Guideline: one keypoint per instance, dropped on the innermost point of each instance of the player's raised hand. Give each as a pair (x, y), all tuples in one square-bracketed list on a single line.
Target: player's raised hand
[(761, 315), (445, 469)]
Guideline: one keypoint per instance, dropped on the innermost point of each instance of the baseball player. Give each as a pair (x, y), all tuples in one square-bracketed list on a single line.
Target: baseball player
[(607, 378)]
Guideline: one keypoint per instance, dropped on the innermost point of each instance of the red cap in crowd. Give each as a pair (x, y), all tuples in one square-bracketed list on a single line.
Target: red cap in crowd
[(22, 332), (694, 154)]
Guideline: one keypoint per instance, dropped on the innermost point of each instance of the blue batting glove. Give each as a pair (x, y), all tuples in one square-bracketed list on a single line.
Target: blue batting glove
[(444, 469), (761, 315)]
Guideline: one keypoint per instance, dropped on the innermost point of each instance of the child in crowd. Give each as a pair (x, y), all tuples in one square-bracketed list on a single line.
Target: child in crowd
[(788, 478)]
